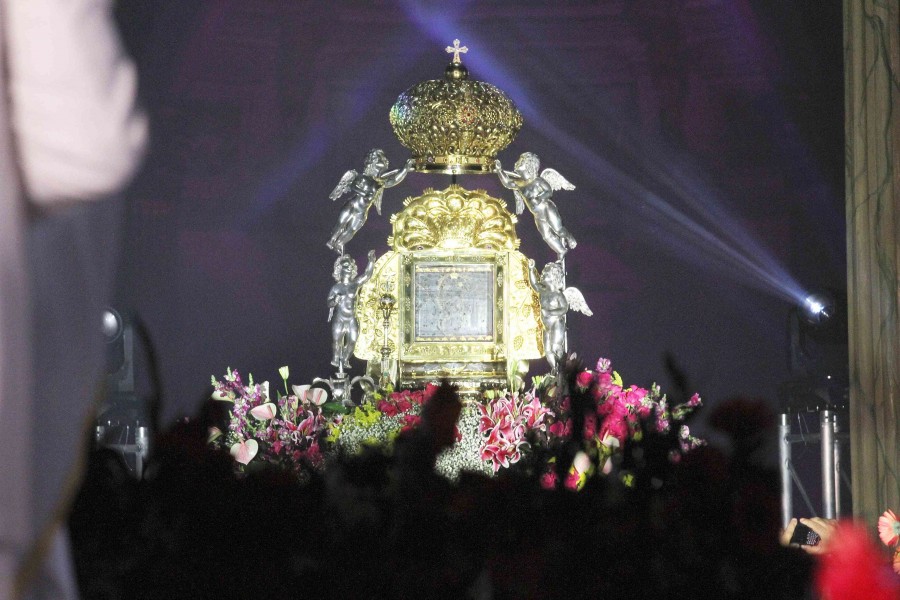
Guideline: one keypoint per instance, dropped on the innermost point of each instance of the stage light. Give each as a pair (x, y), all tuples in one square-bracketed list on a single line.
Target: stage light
[(118, 333), (112, 325), (113, 328), (121, 423), (817, 353), (818, 308)]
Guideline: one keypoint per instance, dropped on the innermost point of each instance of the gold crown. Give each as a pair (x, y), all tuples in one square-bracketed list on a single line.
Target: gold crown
[(455, 125)]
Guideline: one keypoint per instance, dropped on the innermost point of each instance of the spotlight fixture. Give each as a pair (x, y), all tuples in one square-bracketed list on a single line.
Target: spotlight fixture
[(818, 308), (121, 423), (817, 353), (112, 325), (118, 333)]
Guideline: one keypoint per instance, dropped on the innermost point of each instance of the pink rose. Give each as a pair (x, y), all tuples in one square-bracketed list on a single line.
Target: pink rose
[(561, 428), (386, 408), (584, 380), (573, 481), (410, 422), (644, 410), (604, 384), (614, 427), (548, 480), (606, 407), (430, 390)]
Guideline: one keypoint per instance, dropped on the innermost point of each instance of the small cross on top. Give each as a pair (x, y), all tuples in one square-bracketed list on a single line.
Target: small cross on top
[(456, 50)]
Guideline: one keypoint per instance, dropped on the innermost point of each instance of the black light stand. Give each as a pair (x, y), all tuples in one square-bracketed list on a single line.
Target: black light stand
[(122, 424), (819, 384)]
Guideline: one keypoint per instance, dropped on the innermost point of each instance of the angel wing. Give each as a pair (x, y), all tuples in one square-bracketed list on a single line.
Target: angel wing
[(520, 202), (376, 199), (556, 181), (576, 301), (343, 185)]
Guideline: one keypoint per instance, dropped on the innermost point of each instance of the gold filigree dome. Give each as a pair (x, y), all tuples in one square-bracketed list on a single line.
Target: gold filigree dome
[(455, 125)]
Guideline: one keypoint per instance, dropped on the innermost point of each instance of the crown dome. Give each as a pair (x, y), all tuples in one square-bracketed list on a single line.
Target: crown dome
[(455, 125)]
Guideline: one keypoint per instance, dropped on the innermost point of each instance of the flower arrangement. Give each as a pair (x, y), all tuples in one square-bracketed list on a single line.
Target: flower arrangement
[(287, 432), (379, 422), (300, 428), (610, 415)]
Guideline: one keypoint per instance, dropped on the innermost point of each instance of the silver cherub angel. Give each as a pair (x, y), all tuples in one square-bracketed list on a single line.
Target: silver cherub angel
[(342, 307), (365, 190), (535, 191), (555, 303)]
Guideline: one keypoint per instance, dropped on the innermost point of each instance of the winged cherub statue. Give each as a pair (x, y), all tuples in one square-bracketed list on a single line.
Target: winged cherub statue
[(535, 191), (342, 307), (555, 303), (365, 190)]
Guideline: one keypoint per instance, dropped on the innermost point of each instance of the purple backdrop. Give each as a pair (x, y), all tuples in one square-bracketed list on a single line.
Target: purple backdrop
[(704, 138)]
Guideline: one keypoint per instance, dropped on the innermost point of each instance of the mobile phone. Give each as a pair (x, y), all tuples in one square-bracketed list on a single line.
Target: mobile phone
[(804, 536)]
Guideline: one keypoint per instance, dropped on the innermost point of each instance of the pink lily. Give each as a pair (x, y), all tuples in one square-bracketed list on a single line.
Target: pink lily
[(309, 425)]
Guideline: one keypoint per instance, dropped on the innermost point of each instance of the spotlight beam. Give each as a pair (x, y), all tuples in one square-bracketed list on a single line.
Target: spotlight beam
[(746, 259)]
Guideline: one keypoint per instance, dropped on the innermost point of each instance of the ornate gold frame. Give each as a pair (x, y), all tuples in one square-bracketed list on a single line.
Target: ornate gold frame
[(444, 229)]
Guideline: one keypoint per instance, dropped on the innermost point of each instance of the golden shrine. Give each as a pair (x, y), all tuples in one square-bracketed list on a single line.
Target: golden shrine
[(453, 298)]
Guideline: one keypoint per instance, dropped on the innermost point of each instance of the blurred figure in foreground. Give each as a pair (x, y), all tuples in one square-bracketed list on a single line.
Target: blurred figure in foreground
[(70, 132)]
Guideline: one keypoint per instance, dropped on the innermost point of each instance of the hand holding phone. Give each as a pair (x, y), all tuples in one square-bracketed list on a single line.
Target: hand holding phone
[(804, 536), (811, 535)]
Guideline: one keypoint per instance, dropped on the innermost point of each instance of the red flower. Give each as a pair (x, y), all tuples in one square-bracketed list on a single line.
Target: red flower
[(584, 380), (410, 422), (430, 390), (572, 480), (562, 428), (853, 569), (616, 427), (548, 480), (386, 408), (604, 382)]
